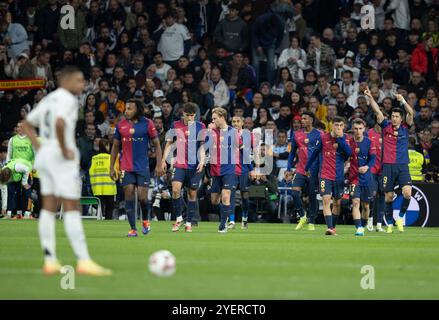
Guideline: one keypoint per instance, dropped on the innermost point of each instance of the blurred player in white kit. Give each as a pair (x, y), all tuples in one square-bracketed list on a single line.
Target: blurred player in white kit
[(57, 161)]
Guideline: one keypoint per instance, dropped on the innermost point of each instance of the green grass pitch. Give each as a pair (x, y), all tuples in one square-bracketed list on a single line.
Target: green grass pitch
[(267, 261)]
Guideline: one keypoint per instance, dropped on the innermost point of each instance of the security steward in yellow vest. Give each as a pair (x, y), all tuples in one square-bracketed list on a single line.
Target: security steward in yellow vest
[(102, 185), (416, 162)]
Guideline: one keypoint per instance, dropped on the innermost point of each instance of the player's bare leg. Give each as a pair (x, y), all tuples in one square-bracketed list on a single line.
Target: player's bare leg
[(75, 234), (365, 216), (178, 204), (142, 193), (328, 215), (46, 231), (357, 217), (336, 208)]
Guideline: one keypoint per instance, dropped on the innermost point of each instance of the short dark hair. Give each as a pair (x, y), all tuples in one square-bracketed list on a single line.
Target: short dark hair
[(5, 175), (104, 146), (398, 110), (388, 75), (283, 131), (67, 71), (338, 119), (190, 108), (348, 72), (310, 114)]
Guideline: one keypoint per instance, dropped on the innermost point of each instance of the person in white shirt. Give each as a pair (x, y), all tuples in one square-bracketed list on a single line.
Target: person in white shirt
[(294, 58), (348, 86), (57, 161), (161, 68), (173, 39), (219, 89)]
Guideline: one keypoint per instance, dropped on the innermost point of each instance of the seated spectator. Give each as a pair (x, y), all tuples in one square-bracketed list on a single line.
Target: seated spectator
[(283, 77), (285, 118), (294, 58), (281, 153), (236, 74), (219, 89), (332, 112), (112, 108), (423, 119)]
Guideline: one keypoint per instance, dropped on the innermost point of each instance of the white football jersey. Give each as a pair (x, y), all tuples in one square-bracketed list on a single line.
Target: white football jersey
[(58, 104)]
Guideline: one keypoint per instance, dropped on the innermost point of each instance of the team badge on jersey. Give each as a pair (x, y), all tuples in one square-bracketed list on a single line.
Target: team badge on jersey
[(132, 130), (357, 150), (306, 141), (335, 145)]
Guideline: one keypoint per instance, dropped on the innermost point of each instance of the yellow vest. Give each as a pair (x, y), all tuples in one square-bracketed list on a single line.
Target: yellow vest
[(101, 182), (415, 165)]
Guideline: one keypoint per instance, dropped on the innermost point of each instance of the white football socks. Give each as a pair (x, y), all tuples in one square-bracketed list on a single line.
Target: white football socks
[(46, 230), (75, 233)]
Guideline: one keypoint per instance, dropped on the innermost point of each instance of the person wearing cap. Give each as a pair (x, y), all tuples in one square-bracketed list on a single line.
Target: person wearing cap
[(156, 104), (232, 31), (173, 39)]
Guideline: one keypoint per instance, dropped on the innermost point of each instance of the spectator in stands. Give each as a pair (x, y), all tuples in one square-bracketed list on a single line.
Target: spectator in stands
[(71, 38), (172, 38), (267, 33), (329, 119), (112, 108), (424, 59), (285, 118), (321, 57), (9, 112), (294, 58), (231, 32), (219, 89), (236, 74), (14, 36), (423, 119), (281, 153), (161, 68)]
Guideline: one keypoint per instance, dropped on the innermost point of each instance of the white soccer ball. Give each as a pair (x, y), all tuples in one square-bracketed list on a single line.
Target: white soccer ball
[(162, 263)]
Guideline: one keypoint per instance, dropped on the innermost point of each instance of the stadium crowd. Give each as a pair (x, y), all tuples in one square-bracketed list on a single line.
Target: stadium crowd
[(264, 61)]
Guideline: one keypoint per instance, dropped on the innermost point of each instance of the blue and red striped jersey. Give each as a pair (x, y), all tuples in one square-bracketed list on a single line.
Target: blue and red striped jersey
[(395, 146), (362, 155), (135, 139), (245, 163), (224, 149), (335, 151), (188, 141), (377, 147), (305, 143)]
